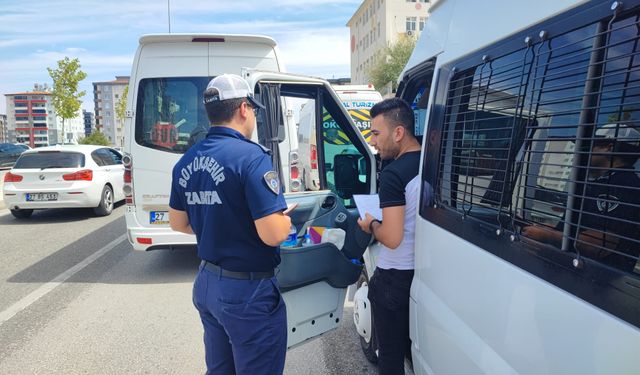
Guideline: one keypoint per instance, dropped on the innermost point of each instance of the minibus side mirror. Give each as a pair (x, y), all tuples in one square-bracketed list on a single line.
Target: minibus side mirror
[(345, 172)]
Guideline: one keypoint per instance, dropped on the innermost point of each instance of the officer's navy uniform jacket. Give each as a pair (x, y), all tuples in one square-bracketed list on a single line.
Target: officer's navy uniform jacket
[(206, 184)]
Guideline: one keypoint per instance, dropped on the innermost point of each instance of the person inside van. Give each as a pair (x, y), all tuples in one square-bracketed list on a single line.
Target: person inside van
[(611, 208), (392, 135)]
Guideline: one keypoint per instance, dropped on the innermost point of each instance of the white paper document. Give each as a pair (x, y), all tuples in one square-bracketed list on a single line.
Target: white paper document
[(368, 204)]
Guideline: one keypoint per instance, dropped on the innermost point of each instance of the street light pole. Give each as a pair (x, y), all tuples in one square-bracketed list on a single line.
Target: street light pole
[(169, 14)]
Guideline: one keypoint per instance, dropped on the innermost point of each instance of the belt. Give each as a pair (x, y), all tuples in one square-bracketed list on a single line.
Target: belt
[(236, 274)]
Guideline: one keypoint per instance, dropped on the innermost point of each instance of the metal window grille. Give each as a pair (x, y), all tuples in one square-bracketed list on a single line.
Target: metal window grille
[(547, 137)]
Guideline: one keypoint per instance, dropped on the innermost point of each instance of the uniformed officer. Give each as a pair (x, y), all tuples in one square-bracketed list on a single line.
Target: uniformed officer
[(611, 208), (226, 192)]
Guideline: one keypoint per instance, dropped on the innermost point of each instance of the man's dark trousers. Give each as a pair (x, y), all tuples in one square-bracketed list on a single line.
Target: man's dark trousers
[(389, 297), (245, 324)]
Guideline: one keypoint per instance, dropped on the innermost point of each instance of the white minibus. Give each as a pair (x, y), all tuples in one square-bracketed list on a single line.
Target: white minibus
[(527, 241), (166, 116)]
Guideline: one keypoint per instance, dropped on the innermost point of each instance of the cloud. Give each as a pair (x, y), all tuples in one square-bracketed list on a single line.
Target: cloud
[(103, 35)]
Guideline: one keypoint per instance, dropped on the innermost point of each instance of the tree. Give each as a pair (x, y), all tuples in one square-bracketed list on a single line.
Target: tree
[(65, 96), (394, 58), (121, 105), (95, 138)]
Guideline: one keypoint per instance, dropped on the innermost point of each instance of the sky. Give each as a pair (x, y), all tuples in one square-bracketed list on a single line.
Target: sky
[(312, 35)]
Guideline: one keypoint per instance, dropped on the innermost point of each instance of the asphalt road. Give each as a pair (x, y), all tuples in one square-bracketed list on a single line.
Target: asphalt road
[(76, 299)]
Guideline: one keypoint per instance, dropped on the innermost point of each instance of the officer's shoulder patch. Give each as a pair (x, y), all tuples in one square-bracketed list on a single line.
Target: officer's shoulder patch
[(272, 181)]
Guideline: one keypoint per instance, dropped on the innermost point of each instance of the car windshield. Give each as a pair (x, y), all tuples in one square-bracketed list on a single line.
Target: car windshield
[(54, 159)]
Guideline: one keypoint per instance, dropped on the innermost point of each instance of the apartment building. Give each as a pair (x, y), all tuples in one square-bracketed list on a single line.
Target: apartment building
[(379, 23), (106, 96), (89, 122), (4, 136), (31, 118)]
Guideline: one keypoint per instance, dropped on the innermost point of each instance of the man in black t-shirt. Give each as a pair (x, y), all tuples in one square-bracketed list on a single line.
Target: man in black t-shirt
[(392, 135), (608, 223)]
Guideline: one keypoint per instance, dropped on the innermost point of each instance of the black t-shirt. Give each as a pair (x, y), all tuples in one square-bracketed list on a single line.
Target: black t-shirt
[(395, 177), (612, 205)]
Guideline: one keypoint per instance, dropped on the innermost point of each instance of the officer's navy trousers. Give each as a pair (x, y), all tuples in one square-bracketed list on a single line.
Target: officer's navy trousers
[(245, 324), (389, 297)]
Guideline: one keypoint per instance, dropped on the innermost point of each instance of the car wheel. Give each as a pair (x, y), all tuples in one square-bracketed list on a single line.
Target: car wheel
[(368, 348), (21, 214), (106, 202)]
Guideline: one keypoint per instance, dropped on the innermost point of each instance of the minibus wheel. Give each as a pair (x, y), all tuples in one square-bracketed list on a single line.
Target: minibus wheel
[(369, 348)]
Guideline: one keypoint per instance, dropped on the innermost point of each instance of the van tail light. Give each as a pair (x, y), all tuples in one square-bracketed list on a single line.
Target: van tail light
[(12, 177), (83, 175), (314, 157), (294, 172), (127, 161)]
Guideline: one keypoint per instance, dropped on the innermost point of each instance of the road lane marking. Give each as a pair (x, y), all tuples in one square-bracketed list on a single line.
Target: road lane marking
[(32, 297)]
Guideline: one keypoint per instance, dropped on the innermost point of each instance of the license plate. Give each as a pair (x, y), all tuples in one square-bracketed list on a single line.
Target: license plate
[(159, 217), (33, 197)]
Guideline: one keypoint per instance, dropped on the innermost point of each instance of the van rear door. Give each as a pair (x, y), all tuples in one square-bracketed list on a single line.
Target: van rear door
[(314, 278)]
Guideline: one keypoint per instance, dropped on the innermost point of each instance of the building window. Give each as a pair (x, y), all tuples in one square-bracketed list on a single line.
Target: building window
[(421, 23), (411, 23)]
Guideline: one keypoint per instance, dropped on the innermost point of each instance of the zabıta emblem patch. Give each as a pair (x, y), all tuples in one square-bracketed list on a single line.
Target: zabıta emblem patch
[(271, 178)]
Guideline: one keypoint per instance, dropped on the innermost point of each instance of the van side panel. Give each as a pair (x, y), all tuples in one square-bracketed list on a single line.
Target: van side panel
[(480, 314), (471, 17)]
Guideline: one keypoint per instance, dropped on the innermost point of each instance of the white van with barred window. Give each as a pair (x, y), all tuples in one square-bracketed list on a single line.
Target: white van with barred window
[(527, 241)]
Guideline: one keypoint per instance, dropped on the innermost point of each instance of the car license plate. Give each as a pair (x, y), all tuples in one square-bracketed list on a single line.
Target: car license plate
[(37, 197), (159, 217)]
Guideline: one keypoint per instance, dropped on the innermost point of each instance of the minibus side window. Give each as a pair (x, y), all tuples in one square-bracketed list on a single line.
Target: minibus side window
[(522, 151)]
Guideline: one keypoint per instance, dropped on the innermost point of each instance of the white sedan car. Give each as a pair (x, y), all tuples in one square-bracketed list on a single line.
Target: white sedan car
[(65, 177)]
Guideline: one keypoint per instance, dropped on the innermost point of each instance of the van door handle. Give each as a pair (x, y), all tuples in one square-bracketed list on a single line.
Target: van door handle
[(329, 202)]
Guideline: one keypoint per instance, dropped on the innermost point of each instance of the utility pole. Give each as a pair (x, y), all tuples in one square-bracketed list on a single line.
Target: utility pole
[(169, 14)]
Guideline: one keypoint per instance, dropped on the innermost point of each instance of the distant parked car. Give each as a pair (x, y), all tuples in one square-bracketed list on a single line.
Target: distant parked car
[(9, 153), (65, 177), (23, 146)]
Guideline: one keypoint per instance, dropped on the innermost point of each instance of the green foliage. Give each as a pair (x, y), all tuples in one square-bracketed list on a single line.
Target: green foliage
[(121, 105), (65, 96), (394, 58), (626, 115), (96, 138)]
